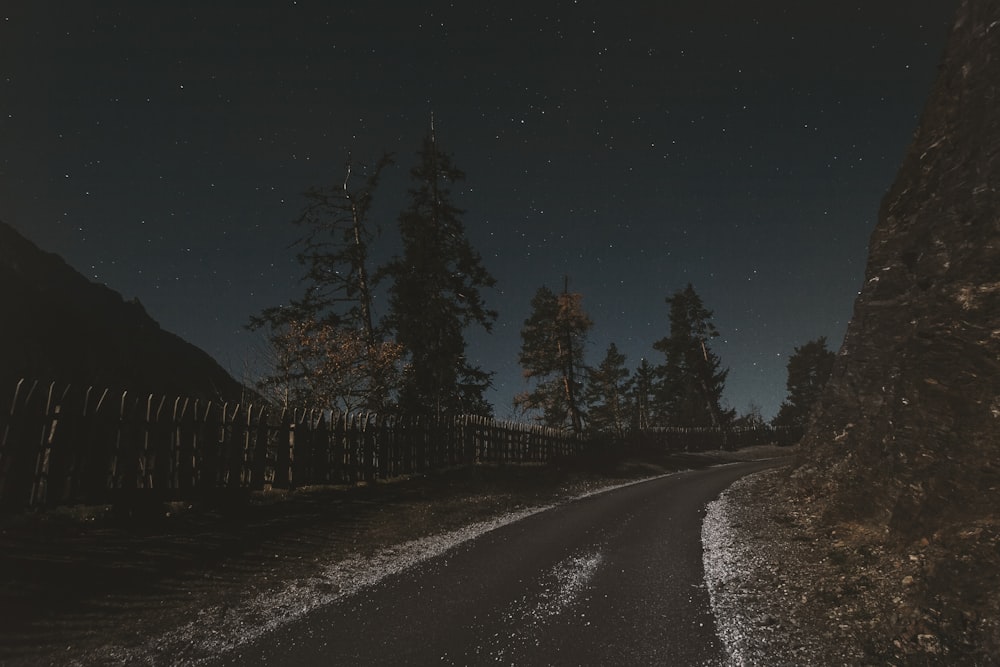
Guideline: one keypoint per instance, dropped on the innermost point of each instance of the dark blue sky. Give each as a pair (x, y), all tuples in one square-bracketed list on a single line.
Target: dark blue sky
[(633, 146)]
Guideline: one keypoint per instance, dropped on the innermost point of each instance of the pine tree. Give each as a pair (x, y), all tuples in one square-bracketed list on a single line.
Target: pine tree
[(436, 293), (325, 346), (607, 395), (539, 359), (552, 356), (809, 368), (691, 381), (643, 397)]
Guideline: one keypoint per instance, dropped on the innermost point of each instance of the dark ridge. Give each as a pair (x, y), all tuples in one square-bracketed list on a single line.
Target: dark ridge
[(58, 326)]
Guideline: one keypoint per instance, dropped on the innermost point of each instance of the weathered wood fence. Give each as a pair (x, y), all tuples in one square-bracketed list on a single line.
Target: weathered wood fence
[(62, 445), (59, 445)]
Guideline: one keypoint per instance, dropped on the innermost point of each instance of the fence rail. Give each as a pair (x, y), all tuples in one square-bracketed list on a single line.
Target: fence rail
[(63, 445)]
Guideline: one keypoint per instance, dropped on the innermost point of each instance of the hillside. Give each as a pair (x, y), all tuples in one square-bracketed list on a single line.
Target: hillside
[(59, 326)]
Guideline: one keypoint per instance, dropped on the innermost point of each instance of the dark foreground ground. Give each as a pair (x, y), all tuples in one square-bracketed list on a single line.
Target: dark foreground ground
[(76, 580)]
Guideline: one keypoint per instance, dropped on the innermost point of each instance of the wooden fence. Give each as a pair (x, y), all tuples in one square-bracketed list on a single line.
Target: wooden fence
[(61, 445)]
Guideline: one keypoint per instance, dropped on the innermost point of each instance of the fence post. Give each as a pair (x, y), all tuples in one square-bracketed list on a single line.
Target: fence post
[(152, 435), (289, 475), (249, 436), (221, 441), (381, 447), (113, 479), (176, 441), (93, 448), (371, 449), (50, 422), (259, 452)]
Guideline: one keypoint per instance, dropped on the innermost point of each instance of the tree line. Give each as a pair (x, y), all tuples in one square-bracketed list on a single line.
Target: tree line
[(684, 390), (327, 347)]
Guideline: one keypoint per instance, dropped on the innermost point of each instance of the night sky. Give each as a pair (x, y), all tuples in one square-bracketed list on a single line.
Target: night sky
[(633, 146)]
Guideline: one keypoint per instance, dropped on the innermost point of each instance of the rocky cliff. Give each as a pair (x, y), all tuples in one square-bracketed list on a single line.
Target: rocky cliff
[(911, 415), (905, 443), (58, 326)]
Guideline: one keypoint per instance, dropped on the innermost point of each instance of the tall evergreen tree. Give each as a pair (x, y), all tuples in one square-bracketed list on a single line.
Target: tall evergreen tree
[(644, 397), (691, 380), (325, 345), (809, 368), (436, 293), (607, 393), (539, 359), (552, 356)]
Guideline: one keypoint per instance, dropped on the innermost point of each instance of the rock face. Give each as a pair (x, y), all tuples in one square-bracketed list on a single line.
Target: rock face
[(58, 326), (907, 434)]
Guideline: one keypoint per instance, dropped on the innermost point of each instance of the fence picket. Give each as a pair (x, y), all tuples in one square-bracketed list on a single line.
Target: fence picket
[(50, 422)]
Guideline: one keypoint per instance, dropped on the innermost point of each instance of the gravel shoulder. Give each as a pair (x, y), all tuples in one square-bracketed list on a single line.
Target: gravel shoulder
[(769, 578), (790, 588)]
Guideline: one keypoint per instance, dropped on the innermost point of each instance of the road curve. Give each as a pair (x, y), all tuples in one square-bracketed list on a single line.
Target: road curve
[(615, 578)]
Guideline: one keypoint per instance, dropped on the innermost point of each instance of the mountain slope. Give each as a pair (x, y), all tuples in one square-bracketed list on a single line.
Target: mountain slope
[(57, 325)]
